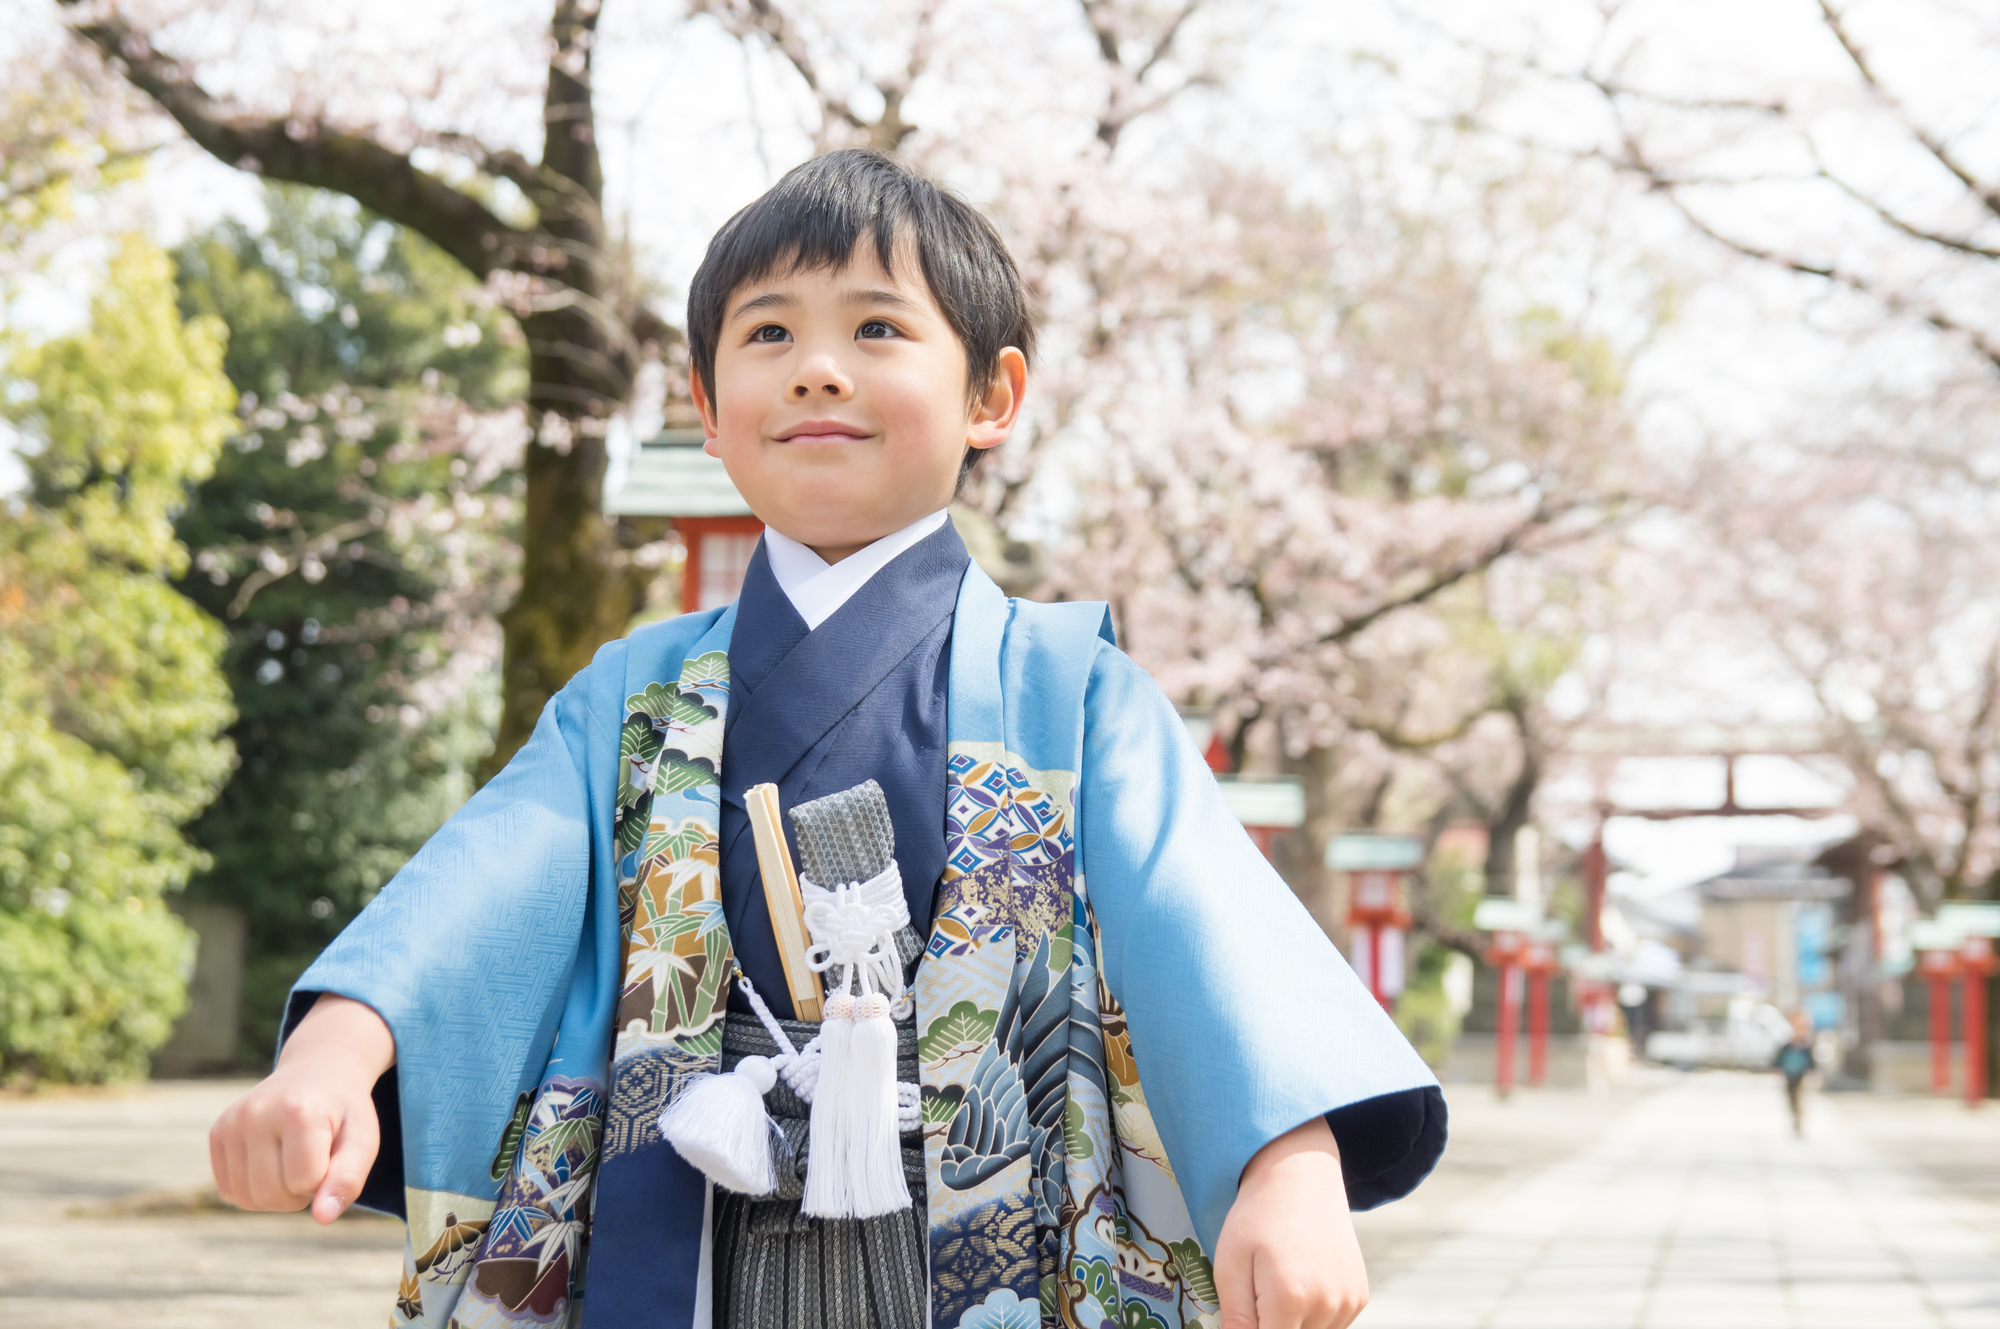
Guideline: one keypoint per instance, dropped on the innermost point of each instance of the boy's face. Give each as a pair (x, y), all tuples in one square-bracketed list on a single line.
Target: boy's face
[(840, 403)]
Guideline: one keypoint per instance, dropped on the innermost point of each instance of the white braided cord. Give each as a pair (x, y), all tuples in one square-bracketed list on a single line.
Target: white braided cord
[(799, 1067)]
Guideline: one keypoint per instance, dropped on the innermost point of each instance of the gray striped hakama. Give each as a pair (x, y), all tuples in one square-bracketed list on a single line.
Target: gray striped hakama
[(777, 1269)]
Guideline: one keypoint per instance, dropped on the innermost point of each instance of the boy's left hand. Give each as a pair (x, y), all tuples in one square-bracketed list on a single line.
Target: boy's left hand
[(1287, 1258)]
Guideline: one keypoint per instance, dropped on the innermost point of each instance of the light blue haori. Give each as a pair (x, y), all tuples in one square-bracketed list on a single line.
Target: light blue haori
[(1119, 1005)]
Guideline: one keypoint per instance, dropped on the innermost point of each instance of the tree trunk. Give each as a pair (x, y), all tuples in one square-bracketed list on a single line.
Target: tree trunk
[(1511, 817), (577, 588), (1319, 888)]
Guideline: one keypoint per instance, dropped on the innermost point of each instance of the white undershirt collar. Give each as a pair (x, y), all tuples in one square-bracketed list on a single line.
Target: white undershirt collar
[(815, 587)]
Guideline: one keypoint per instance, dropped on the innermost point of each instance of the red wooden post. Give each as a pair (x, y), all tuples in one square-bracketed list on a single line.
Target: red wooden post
[(1976, 962), (1972, 996), (1375, 964), (1504, 952), (1940, 984), (1939, 967), (1508, 924), (1376, 904), (1538, 1025), (690, 531), (1596, 868)]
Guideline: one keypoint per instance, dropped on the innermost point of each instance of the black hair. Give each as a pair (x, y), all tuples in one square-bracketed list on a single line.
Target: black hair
[(819, 212)]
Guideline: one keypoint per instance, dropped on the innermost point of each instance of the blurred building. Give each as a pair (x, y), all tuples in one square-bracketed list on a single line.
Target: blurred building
[(1772, 918), (670, 475)]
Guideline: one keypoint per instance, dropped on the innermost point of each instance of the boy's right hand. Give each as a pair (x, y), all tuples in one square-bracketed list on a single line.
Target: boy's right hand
[(307, 1134)]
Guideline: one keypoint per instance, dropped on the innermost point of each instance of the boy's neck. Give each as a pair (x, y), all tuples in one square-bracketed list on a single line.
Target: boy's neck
[(831, 554), (834, 553)]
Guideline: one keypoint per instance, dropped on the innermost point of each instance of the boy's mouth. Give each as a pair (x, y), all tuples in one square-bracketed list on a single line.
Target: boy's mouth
[(821, 431)]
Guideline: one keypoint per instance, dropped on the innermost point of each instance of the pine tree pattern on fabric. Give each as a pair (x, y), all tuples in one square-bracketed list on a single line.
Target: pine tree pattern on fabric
[(1033, 1112), (677, 963)]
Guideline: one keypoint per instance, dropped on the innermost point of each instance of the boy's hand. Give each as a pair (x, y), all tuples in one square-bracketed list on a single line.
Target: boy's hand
[(1287, 1258), (307, 1134)]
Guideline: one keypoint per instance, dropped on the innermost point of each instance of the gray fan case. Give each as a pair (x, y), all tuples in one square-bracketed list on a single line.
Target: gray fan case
[(848, 837), (845, 837)]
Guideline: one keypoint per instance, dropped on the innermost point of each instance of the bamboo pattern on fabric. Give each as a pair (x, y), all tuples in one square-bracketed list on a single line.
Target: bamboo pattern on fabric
[(672, 991), (1051, 1201)]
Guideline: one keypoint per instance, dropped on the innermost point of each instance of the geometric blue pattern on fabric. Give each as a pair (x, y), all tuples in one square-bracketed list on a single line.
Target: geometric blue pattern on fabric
[(1281, 1031)]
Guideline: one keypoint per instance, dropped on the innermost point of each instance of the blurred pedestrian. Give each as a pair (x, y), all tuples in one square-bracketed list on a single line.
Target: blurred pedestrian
[(1795, 1061)]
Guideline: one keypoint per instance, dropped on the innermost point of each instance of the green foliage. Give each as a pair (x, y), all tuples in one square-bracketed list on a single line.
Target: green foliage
[(1195, 1271), (65, 133), (111, 705), (1455, 886), (1076, 1132), (354, 540), (1423, 1012)]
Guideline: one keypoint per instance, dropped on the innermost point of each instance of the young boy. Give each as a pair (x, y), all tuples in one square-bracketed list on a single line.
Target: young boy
[(1151, 1090)]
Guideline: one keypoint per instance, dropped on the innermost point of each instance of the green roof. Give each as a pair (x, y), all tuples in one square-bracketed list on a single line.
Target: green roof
[(670, 476)]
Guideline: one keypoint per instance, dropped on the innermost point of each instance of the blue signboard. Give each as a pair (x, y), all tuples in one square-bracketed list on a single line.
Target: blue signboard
[(1815, 936)]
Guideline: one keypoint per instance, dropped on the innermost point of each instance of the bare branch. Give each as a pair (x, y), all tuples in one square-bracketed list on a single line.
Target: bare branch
[(1903, 224), (1988, 195), (744, 19), (1123, 103), (1442, 580), (307, 152), (1636, 161)]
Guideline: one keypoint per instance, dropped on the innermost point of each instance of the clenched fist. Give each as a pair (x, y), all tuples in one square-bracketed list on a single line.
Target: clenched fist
[(307, 1134), (1287, 1257)]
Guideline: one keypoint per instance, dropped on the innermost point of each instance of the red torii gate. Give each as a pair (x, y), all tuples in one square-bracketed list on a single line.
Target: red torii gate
[(1601, 748)]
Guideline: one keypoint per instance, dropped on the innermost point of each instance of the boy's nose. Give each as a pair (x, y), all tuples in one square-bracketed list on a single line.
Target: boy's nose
[(821, 377)]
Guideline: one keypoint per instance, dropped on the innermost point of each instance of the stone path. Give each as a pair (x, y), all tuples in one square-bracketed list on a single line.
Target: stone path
[(1697, 1209), (1679, 1202), (107, 1219)]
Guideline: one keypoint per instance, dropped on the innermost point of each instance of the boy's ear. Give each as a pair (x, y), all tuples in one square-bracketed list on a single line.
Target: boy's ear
[(993, 415), (707, 409)]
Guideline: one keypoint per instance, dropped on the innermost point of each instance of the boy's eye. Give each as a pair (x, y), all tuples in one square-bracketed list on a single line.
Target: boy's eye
[(876, 328), (769, 332)]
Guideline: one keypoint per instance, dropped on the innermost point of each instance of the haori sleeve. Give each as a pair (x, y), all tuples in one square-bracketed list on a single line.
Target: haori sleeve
[(466, 955), (1245, 1021)]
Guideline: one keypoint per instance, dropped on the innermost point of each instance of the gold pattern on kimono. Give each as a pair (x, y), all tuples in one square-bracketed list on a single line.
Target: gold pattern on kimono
[(452, 1250), (409, 1299)]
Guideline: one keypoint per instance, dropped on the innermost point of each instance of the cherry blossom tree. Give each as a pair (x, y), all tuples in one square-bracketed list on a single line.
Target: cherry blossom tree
[(1853, 544), (1870, 580), (1289, 440)]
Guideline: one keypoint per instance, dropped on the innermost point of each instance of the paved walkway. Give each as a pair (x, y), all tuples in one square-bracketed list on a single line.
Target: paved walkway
[(108, 1218), (1697, 1209), (1680, 1201)]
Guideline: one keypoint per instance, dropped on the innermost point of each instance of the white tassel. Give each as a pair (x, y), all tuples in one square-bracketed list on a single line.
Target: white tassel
[(854, 1162), (876, 1155), (718, 1123)]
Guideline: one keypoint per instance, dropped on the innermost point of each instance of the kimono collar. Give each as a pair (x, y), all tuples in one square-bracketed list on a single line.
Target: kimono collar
[(815, 587), (824, 674)]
